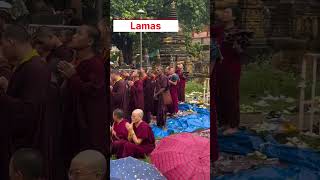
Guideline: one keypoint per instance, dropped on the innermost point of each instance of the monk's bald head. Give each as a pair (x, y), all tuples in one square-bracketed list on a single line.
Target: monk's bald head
[(26, 164), (137, 115), (89, 162)]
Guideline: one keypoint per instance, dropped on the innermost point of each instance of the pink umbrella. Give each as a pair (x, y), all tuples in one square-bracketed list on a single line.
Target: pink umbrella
[(183, 156)]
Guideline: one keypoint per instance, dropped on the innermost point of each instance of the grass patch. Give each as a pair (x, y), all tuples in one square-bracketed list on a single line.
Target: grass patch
[(146, 159), (256, 79), (193, 86)]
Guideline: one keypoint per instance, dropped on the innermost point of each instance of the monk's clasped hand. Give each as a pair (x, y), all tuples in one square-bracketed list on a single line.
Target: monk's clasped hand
[(67, 69)]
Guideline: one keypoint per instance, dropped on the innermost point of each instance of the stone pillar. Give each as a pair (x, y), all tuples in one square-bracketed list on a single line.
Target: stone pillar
[(252, 18)]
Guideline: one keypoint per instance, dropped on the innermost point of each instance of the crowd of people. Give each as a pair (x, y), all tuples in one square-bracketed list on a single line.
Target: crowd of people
[(138, 98), (155, 91), (53, 102)]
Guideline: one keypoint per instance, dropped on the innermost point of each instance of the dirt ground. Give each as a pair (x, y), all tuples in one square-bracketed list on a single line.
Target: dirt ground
[(250, 120)]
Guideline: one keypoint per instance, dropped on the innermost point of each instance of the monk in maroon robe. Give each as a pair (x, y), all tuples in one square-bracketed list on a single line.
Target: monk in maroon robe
[(118, 129), (141, 138), (213, 114), (173, 81), (118, 91), (49, 42), (228, 74), (136, 93), (23, 104), (181, 83), (162, 85), (85, 107), (149, 85)]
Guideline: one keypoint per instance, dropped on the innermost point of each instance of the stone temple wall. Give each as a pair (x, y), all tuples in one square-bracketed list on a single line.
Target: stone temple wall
[(282, 26)]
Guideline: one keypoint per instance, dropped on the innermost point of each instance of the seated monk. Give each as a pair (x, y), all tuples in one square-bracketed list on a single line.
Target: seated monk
[(141, 139), (118, 129)]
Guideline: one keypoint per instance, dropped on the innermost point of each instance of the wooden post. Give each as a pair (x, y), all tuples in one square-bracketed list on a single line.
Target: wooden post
[(204, 91), (302, 92), (313, 91)]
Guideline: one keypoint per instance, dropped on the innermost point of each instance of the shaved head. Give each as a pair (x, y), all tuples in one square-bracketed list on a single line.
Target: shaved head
[(138, 112), (26, 163), (89, 162)]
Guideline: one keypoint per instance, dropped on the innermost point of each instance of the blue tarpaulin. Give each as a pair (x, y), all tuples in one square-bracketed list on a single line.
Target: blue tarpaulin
[(302, 163), (189, 123), (274, 173), (243, 142)]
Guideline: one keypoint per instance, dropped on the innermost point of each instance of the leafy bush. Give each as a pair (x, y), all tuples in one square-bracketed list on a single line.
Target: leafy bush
[(258, 78), (193, 86)]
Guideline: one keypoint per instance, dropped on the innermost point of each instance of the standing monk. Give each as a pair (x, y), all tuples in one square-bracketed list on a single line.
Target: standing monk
[(50, 42), (136, 93), (85, 94), (228, 72), (23, 104), (118, 92), (149, 85), (162, 85), (181, 83), (173, 81)]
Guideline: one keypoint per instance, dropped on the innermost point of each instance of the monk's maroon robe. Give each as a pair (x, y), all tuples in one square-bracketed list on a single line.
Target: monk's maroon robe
[(24, 108), (118, 95), (125, 148), (121, 130), (137, 96), (173, 108), (181, 86), (85, 117), (126, 101), (227, 82), (148, 89), (213, 117), (61, 53), (161, 108)]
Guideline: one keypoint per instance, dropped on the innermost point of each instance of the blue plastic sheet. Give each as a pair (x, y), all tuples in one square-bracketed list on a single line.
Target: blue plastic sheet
[(300, 157), (302, 163), (274, 173), (189, 123), (243, 142)]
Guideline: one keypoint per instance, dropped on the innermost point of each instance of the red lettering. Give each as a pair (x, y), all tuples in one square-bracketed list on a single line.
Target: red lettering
[(145, 26), (131, 26)]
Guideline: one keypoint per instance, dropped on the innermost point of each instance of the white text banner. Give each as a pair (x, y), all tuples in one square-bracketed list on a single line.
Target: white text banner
[(145, 26)]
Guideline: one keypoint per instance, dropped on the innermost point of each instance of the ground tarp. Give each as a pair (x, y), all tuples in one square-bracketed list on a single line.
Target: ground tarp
[(190, 123), (274, 173), (303, 163)]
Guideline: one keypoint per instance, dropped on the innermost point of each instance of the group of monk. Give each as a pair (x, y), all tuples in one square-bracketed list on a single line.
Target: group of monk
[(148, 90), (53, 96)]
